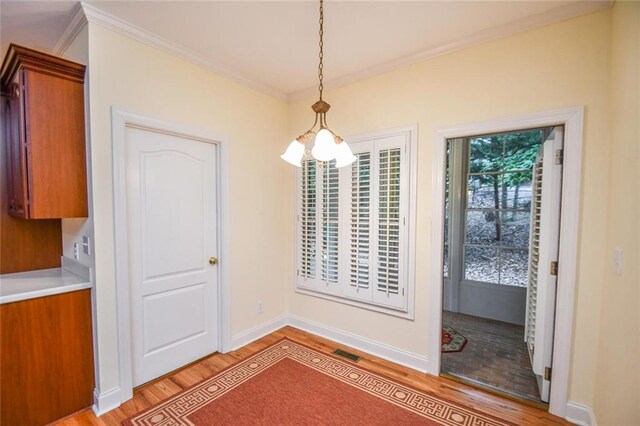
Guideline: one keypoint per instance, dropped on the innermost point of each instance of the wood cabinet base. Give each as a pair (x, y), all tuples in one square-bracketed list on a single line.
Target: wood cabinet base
[(46, 358)]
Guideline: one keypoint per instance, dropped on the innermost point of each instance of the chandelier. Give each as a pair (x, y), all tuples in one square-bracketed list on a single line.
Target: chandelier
[(327, 145)]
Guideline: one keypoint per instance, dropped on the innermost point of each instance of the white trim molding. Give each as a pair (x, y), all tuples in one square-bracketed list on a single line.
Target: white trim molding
[(86, 12), (572, 120), (74, 25), (381, 350), (255, 333), (99, 17), (106, 401), (120, 121), (580, 414), (561, 13)]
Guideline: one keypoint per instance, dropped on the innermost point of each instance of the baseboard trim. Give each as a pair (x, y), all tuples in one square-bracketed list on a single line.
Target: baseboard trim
[(106, 401), (399, 356), (580, 414), (259, 331)]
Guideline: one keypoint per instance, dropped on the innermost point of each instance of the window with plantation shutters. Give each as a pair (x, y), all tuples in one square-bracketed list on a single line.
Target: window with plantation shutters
[(356, 219)]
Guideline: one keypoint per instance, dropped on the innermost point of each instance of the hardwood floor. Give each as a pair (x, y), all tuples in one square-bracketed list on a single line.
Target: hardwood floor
[(154, 392)]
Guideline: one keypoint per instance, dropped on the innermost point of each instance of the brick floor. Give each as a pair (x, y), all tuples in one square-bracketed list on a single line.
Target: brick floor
[(495, 355)]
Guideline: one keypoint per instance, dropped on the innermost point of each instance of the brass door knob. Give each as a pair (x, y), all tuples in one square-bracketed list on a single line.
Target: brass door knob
[(213, 260)]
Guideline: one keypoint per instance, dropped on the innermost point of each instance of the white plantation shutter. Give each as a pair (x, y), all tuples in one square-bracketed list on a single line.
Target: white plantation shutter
[(360, 221), (357, 284), (391, 197), (534, 257), (330, 208), (307, 221), (388, 221), (352, 233)]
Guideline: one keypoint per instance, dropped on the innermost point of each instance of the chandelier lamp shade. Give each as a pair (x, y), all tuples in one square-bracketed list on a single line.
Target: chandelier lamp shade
[(327, 145)]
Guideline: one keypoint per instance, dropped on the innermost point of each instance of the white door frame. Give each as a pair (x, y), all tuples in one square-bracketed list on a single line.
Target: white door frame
[(572, 120), (120, 120)]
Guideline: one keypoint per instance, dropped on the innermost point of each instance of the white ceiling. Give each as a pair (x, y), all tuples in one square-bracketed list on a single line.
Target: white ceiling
[(274, 45)]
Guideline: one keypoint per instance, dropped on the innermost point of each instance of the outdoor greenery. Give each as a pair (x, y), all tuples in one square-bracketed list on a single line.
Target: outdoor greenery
[(503, 163), (497, 206)]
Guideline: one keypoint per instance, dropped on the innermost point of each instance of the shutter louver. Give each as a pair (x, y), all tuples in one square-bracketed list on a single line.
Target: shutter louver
[(330, 207), (388, 254), (534, 257), (308, 220), (360, 221)]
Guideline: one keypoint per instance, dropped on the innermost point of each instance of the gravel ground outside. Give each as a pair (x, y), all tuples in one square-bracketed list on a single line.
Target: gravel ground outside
[(487, 258)]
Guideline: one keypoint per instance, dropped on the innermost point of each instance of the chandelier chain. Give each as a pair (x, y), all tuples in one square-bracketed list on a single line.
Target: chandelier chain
[(321, 55)]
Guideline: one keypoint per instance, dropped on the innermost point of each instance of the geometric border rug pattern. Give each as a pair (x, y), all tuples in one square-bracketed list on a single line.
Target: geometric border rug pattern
[(432, 408), (452, 341)]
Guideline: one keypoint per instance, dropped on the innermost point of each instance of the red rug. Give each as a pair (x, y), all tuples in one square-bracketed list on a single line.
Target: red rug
[(452, 341), (292, 384)]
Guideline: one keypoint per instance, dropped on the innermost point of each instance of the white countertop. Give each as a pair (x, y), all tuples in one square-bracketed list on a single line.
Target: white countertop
[(44, 282)]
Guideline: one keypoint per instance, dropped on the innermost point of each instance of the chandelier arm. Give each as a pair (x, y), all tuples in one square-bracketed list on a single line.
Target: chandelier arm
[(314, 125)]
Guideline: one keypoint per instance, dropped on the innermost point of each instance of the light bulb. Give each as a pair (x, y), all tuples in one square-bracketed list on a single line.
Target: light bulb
[(344, 156), (294, 153), (325, 147)]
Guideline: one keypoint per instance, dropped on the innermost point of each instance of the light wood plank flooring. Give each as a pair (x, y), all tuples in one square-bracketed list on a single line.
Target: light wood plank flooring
[(154, 392)]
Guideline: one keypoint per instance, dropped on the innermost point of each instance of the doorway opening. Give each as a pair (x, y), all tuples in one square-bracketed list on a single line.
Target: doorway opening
[(501, 239)]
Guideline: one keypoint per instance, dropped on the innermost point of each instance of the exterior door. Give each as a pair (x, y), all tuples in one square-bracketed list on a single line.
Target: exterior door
[(171, 232), (543, 257)]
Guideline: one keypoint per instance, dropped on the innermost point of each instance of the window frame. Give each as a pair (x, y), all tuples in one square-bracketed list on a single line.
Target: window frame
[(304, 286)]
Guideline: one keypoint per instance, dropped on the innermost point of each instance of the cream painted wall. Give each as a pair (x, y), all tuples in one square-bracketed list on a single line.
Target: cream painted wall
[(617, 395), (74, 229), (140, 79), (561, 65)]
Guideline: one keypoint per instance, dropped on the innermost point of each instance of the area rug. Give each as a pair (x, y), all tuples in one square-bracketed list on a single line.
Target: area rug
[(452, 341), (291, 384)]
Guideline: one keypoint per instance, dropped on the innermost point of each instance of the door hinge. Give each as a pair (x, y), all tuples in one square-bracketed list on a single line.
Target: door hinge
[(559, 156), (403, 291), (554, 269), (547, 373), (298, 272)]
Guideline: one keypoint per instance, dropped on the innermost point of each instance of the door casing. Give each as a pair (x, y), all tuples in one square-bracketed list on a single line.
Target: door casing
[(120, 121), (572, 119)]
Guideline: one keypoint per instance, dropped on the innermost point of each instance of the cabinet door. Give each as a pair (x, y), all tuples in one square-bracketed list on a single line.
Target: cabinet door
[(16, 155), (55, 138)]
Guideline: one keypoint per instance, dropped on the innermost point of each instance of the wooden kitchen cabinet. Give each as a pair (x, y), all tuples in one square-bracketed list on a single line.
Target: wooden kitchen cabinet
[(46, 358), (45, 135)]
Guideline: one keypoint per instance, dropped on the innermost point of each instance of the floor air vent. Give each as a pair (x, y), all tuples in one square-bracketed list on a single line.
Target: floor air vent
[(347, 355)]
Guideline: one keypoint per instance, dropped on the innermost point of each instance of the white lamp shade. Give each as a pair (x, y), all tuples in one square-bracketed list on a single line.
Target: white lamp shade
[(294, 153), (325, 147), (344, 156)]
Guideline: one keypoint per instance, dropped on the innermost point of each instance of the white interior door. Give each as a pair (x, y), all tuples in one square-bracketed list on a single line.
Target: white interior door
[(171, 232), (543, 257)]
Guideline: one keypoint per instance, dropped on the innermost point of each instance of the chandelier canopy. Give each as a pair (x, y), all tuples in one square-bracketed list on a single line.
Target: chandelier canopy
[(327, 145)]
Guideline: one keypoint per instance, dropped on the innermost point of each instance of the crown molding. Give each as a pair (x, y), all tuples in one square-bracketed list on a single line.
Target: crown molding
[(85, 12), (521, 25), (96, 16), (74, 25)]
